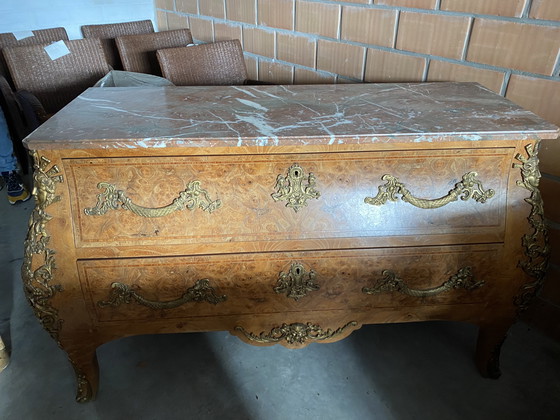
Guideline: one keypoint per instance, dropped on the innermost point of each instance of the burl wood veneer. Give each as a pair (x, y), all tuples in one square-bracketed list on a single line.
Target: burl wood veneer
[(283, 214)]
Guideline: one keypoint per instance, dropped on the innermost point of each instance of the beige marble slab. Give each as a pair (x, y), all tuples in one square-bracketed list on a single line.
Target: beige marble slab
[(220, 116)]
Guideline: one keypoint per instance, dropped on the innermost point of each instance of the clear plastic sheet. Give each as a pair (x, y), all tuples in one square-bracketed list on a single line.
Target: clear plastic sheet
[(117, 78)]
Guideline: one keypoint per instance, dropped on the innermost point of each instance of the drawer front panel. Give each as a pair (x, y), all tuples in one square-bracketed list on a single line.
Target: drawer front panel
[(145, 201), (175, 287)]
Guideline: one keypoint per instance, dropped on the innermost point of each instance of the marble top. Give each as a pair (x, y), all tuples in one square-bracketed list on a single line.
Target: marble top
[(230, 116)]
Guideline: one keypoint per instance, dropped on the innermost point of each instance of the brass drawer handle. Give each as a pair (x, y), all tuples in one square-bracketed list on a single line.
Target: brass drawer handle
[(200, 292), (296, 283), (191, 198), (468, 187), (291, 188), (391, 283), (297, 333)]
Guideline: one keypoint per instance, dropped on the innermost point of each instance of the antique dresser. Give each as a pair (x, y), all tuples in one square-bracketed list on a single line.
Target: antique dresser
[(283, 214)]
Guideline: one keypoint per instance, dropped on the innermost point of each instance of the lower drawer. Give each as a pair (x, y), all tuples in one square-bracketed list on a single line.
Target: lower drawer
[(177, 287)]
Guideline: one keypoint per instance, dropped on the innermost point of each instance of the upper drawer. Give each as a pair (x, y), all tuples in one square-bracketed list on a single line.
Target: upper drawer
[(141, 201)]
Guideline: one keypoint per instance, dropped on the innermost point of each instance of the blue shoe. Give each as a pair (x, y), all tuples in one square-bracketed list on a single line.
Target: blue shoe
[(16, 189)]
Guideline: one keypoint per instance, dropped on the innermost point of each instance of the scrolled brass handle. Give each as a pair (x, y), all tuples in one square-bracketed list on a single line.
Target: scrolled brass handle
[(468, 187), (124, 294), (391, 283), (191, 198)]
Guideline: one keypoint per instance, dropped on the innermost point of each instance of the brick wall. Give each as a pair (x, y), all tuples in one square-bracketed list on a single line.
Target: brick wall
[(509, 46)]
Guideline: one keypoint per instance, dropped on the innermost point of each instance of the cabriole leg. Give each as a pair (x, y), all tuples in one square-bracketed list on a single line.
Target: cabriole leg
[(488, 347), (84, 362)]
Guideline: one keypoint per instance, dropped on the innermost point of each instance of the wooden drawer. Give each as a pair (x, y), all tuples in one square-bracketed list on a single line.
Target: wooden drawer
[(176, 287), (253, 207)]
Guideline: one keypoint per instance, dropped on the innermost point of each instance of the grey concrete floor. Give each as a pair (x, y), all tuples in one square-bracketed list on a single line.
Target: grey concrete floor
[(398, 371)]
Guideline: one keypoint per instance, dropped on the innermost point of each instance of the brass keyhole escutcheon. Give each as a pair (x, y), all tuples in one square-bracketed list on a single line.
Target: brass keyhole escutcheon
[(296, 282), (293, 188)]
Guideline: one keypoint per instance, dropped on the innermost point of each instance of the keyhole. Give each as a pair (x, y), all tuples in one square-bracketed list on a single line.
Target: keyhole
[(296, 173), (298, 271)]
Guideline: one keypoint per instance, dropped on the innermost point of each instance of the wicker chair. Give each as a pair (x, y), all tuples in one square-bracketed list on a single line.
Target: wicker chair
[(138, 52), (220, 63), (57, 82), (41, 36), (107, 33)]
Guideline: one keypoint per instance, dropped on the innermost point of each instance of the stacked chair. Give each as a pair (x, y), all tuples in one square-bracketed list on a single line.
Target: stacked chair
[(220, 63), (138, 52), (35, 85), (108, 32), (22, 111), (57, 82), (41, 36)]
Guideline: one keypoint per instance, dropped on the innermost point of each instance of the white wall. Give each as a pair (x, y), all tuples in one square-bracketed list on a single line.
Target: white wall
[(24, 15)]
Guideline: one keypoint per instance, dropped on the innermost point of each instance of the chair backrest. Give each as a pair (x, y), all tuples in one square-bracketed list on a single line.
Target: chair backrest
[(56, 82), (40, 36), (220, 63), (108, 32), (138, 52)]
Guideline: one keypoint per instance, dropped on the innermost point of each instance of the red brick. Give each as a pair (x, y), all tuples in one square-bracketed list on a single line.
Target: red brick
[(161, 20), (223, 31), (258, 41), (340, 58), (450, 72), (485, 7), (214, 8), (275, 72), (187, 6), (441, 35), (295, 49), (201, 29), (175, 21), (310, 77), (545, 9), (520, 46), (417, 4), (241, 11), (276, 13), (369, 26), (541, 96), (317, 18), (385, 66), (252, 71), (164, 4)]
